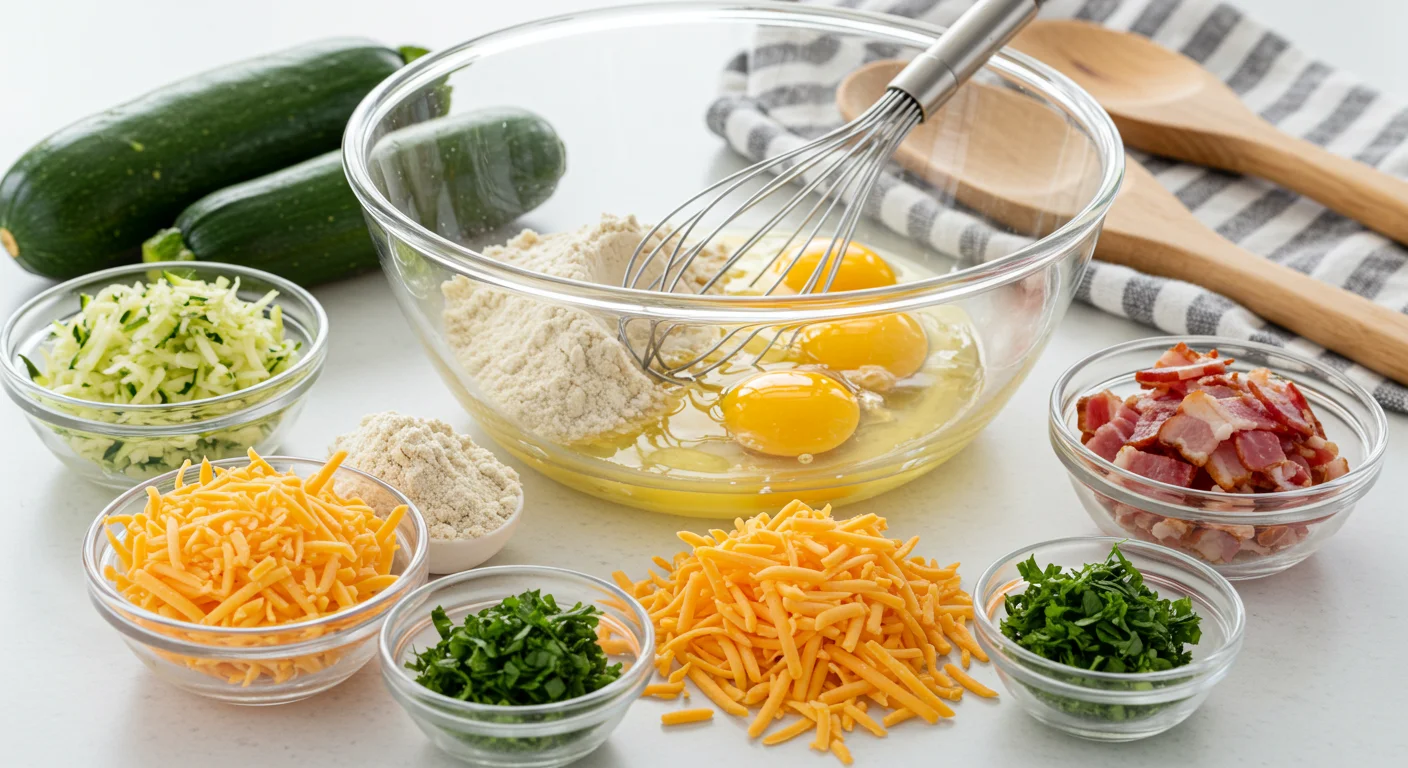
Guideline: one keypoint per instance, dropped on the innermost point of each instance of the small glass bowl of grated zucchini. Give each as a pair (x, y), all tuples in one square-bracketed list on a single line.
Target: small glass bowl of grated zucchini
[(1098, 704), (127, 372), (538, 735)]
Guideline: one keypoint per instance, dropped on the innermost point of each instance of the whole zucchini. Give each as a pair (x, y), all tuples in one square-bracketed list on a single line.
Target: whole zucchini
[(304, 223), (85, 198)]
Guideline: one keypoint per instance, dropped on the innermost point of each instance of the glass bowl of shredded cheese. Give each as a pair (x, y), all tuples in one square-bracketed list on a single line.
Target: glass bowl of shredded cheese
[(542, 735), (256, 580), (937, 313), (127, 372)]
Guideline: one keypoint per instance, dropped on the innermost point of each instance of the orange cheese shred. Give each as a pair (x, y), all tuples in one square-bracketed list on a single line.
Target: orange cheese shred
[(682, 716), (800, 617)]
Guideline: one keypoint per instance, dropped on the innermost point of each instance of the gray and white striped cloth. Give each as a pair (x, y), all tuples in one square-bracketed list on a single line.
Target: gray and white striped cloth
[(782, 92)]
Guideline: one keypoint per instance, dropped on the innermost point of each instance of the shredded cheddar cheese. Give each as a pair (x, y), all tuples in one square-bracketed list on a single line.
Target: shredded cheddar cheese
[(799, 614), (253, 547), (682, 716)]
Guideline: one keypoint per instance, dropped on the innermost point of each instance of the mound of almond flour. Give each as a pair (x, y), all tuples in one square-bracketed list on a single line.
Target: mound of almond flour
[(560, 372), (463, 491)]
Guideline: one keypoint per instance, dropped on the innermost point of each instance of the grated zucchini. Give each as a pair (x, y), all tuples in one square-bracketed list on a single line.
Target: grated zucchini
[(171, 341)]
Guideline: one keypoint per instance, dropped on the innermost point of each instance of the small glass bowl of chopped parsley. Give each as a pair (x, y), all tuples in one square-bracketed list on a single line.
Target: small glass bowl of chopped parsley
[(1105, 638), (517, 665), (127, 372)]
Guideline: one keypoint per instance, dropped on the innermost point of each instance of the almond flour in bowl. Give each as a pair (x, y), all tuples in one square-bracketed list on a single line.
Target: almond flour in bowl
[(464, 492)]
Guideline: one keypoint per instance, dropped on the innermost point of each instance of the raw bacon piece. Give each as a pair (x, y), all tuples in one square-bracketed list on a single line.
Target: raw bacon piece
[(1258, 449), (1207, 409), (1095, 411), (1284, 402), (1155, 467), (1216, 546), (1155, 399), (1132, 519), (1226, 467), (1151, 420), (1274, 537), (1180, 354), (1192, 438), (1318, 451), (1219, 385), (1163, 376), (1289, 475), (1246, 412), (1106, 442), (1301, 460), (1337, 468), (1226, 416), (1170, 529)]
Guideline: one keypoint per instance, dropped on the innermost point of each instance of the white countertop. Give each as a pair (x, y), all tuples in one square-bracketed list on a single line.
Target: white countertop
[(1314, 684)]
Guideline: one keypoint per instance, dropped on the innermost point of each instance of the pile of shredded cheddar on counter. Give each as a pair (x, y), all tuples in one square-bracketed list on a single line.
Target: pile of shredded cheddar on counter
[(253, 547), (806, 615)]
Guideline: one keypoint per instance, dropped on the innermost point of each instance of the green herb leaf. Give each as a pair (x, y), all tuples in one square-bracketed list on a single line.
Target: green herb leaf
[(523, 651), (410, 53)]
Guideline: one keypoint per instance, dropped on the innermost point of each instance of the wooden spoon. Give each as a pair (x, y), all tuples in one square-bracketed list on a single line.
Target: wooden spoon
[(1165, 103), (1028, 169)]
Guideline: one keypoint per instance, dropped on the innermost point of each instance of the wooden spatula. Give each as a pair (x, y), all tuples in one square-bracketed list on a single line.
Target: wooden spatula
[(1022, 170), (1165, 103)]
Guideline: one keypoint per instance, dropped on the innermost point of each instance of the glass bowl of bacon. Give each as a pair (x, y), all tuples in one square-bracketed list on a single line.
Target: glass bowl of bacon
[(1243, 455), (255, 581)]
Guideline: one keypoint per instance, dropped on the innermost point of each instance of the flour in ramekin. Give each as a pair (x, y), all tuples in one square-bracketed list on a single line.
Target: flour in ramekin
[(463, 491)]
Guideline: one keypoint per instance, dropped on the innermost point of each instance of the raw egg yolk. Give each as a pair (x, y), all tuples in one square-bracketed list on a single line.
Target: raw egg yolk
[(894, 342), (790, 413), (860, 268)]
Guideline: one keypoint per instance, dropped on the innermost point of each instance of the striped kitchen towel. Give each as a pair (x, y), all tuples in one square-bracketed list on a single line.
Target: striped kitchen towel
[(781, 92)]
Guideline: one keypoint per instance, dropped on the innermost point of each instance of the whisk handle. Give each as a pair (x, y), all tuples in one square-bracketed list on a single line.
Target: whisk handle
[(933, 76)]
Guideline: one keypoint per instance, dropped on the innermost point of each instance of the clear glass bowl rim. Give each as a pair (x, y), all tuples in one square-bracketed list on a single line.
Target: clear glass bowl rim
[(1195, 672), (1044, 81), (629, 678), (18, 381), (1366, 472), (95, 541)]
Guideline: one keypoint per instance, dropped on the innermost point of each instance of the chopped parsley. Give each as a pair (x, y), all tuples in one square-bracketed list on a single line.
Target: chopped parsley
[(1101, 618), (523, 651)]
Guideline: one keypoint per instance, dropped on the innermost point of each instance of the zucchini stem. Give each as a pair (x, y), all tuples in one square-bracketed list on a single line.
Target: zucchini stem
[(166, 245)]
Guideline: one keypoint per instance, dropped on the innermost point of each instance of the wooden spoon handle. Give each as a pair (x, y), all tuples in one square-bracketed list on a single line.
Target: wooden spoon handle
[(1370, 334), (1373, 198)]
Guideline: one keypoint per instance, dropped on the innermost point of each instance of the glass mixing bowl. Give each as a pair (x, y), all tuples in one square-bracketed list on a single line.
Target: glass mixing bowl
[(1109, 706), (632, 93)]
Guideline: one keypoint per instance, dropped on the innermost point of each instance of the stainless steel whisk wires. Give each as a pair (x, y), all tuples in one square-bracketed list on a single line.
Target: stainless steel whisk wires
[(840, 168)]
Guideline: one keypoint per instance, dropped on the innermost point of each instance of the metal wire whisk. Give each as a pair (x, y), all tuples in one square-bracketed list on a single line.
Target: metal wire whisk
[(836, 172)]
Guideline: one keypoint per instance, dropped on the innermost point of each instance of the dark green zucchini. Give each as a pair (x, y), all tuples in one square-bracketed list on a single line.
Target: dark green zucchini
[(304, 223), (86, 197)]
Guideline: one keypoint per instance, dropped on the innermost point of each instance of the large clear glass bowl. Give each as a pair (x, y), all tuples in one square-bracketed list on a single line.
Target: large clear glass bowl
[(628, 91)]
